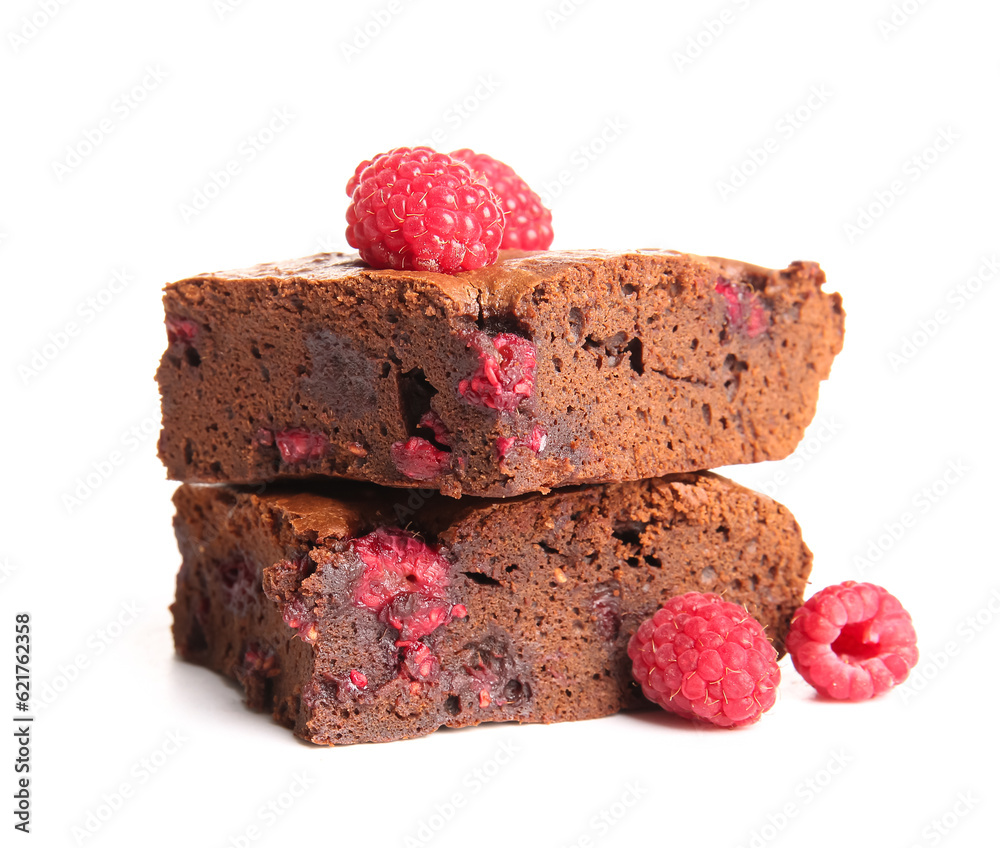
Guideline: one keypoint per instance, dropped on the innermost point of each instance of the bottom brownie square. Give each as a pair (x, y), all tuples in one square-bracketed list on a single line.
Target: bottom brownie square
[(361, 614)]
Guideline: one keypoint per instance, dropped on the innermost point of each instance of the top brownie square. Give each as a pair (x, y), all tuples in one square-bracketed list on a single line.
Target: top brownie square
[(547, 369)]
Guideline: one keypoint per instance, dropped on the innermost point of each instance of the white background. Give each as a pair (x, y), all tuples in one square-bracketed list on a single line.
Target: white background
[(536, 87)]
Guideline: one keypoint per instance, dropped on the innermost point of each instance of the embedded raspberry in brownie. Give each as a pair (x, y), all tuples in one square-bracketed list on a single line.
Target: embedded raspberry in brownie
[(505, 375), (432, 421), (743, 307), (300, 617), (537, 439), (397, 563), (418, 459), (299, 445), (239, 585), (504, 446), (416, 616), (180, 330), (420, 663), (607, 609)]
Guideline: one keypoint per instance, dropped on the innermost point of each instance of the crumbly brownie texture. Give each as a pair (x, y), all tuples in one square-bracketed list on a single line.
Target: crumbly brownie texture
[(547, 369), (348, 629)]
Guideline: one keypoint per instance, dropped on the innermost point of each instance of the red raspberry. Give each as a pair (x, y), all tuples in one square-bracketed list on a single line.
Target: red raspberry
[(180, 330), (853, 641), (419, 459), (299, 445), (398, 563), (705, 658), (527, 223), (506, 372), (743, 307), (423, 210)]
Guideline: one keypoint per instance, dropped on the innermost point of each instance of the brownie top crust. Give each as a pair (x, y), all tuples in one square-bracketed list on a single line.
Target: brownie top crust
[(493, 289)]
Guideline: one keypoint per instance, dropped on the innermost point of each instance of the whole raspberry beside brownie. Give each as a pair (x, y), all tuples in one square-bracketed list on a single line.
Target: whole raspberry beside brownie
[(705, 658), (853, 641)]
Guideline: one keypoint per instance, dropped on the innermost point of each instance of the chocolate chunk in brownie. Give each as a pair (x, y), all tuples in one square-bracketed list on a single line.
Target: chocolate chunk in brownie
[(357, 613), (547, 369)]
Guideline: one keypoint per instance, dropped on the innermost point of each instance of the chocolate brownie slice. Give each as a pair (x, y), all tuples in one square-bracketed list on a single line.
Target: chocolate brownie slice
[(547, 369), (373, 614)]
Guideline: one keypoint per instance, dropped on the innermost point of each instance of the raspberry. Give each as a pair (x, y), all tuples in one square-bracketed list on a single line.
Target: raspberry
[(297, 445), (418, 459), (415, 616), (240, 585), (743, 308), (535, 442), (397, 563), (419, 663), (705, 658), (432, 421), (505, 375), (853, 641), (527, 223), (505, 445), (537, 439), (417, 209), (180, 330), (300, 616)]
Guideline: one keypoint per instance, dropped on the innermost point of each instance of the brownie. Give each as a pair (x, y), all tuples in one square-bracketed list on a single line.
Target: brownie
[(547, 369), (355, 613)]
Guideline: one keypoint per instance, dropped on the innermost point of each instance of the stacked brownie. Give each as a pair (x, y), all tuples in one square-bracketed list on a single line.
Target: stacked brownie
[(440, 500)]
